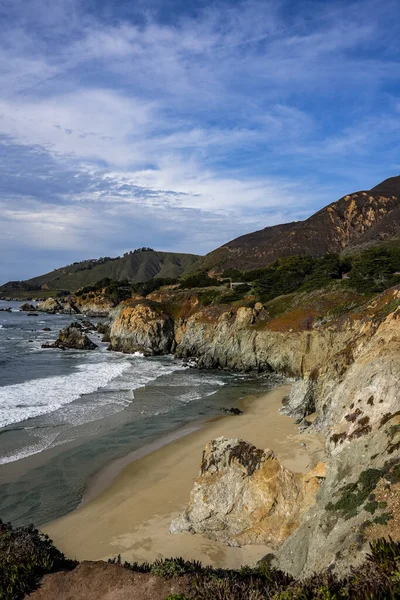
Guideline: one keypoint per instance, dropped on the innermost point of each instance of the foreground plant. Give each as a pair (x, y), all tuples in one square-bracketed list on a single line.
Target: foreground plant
[(26, 555)]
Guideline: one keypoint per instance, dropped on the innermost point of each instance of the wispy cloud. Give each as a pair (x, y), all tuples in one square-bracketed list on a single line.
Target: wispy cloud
[(180, 129)]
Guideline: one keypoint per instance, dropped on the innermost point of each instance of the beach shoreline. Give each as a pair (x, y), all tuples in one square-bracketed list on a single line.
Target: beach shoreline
[(128, 506)]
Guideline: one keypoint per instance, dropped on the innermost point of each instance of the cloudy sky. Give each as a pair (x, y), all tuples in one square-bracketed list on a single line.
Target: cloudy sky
[(181, 124)]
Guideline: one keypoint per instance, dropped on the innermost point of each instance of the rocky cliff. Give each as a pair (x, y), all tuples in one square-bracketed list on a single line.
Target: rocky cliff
[(344, 353), (95, 304)]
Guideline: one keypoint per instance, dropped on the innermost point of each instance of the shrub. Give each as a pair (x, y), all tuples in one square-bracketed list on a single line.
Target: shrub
[(25, 556), (199, 279)]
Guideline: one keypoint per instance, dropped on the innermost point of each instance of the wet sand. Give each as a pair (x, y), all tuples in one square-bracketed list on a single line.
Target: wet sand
[(130, 504)]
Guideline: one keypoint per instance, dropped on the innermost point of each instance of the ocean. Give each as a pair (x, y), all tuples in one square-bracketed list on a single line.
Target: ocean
[(65, 415)]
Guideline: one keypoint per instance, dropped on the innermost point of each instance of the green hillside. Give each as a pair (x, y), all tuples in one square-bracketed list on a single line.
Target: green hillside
[(137, 266)]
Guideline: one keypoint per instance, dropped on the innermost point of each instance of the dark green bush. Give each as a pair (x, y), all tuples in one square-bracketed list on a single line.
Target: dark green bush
[(198, 280), (354, 495), (25, 556), (152, 285)]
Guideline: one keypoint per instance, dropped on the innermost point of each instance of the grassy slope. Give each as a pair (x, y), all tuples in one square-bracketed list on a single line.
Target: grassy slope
[(140, 266)]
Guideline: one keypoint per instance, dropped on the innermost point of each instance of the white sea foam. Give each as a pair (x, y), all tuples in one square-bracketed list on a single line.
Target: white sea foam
[(37, 397)]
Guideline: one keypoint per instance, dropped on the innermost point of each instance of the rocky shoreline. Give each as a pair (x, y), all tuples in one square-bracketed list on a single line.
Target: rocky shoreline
[(346, 373)]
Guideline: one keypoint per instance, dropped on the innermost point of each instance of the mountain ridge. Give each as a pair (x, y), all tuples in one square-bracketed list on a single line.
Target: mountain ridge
[(136, 266), (355, 219)]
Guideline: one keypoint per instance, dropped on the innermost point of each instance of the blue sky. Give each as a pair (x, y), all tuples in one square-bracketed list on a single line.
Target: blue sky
[(183, 124)]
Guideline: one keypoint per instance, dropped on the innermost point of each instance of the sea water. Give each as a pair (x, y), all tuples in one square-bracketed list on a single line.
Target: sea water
[(66, 414)]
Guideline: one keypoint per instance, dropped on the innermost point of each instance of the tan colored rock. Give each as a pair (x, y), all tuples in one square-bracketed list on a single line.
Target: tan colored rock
[(94, 304), (142, 326), (244, 495), (311, 418), (51, 305)]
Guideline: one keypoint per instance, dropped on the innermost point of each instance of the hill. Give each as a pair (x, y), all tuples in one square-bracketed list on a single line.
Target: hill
[(357, 219), (136, 266)]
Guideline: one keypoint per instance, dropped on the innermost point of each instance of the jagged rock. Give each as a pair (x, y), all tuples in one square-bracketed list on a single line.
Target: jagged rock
[(244, 495), (104, 329), (94, 304), (72, 337), (144, 326), (88, 325), (51, 305), (70, 308), (26, 307)]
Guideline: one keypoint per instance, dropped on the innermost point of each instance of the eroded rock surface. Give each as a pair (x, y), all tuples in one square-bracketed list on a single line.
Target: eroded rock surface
[(74, 337), (27, 307), (244, 495), (51, 305), (142, 326)]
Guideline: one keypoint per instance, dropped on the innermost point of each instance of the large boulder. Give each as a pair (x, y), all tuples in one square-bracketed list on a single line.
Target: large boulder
[(26, 307), (244, 495), (51, 305), (74, 337), (142, 326)]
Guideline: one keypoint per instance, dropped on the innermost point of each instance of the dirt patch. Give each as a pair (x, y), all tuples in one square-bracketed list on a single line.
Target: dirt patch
[(102, 581)]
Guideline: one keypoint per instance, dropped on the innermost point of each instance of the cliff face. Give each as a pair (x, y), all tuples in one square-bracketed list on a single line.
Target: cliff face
[(142, 325), (347, 371)]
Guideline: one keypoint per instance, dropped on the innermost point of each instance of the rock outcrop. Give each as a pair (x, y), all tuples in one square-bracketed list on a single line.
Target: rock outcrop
[(74, 337), (26, 307), (94, 304), (144, 326), (51, 305), (244, 495), (346, 371)]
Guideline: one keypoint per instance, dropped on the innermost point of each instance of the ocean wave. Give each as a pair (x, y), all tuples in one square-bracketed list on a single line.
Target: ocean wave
[(22, 401)]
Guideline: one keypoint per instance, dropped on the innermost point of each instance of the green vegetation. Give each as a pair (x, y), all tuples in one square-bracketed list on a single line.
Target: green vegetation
[(353, 495), (152, 285), (117, 291), (200, 279), (369, 272), (377, 579), (25, 556), (136, 266)]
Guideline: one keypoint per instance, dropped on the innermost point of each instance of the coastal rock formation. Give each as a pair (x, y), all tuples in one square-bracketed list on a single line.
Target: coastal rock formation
[(74, 337), (51, 305), (142, 326), (244, 495), (94, 304), (26, 307)]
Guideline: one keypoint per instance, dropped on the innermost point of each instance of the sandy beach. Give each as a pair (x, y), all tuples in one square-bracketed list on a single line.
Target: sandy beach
[(128, 507)]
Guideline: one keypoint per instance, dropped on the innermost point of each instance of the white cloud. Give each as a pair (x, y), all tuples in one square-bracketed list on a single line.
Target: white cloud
[(225, 121)]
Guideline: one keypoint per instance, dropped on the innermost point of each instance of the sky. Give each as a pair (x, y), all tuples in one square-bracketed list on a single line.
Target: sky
[(180, 125)]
